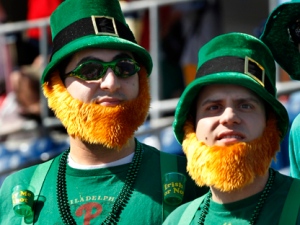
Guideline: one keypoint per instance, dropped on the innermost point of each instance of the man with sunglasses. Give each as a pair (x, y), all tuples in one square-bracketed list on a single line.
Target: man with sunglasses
[(97, 84)]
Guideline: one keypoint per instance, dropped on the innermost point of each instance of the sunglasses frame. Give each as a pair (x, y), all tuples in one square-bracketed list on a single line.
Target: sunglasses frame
[(112, 64)]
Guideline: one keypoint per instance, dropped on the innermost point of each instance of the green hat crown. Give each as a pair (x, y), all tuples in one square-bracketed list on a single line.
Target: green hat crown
[(78, 24), (233, 58), (282, 35)]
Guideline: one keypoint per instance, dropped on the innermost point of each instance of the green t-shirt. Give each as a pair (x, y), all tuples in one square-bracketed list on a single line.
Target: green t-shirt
[(91, 193), (240, 212)]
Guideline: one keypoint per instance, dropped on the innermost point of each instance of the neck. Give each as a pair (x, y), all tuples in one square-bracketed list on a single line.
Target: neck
[(94, 154), (255, 187)]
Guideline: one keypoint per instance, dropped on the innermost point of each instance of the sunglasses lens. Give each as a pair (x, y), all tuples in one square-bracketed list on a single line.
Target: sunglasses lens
[(91, 70), (94, 70), (126, 68)]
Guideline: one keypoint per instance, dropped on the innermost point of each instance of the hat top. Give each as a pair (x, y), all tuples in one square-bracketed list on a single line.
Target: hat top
[(77, 24)]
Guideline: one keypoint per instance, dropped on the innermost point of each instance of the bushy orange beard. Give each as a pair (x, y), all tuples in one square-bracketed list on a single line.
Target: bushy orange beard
[(229, 168), (111, 127)]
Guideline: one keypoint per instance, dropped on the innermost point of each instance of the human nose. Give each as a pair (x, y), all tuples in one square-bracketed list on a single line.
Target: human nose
[(229, 116), (110, 81)]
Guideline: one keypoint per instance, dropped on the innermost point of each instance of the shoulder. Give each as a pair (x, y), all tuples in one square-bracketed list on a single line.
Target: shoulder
[(165, 157), (21, 177), (175, 216), (185, 213), (282, 179)]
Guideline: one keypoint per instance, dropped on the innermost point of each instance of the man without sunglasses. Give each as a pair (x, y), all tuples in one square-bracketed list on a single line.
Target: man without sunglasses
[(230, 124), (97, 85)]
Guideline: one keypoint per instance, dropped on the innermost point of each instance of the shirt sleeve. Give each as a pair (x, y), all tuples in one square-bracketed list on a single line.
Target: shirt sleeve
[(294, 148)]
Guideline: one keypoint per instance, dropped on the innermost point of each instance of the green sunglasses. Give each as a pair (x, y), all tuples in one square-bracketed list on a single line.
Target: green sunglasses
[(96, 69)]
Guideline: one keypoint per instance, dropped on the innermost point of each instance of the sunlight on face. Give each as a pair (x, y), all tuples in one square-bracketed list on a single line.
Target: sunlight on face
[(109, 90), (227, 114)]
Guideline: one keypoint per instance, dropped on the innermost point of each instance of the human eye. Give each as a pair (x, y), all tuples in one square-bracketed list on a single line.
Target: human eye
[(246, 106), (213, 107)]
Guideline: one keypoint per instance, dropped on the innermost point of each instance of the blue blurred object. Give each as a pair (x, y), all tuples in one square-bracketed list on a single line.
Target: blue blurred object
[(163, 140), (293, 105), (29, 152), (282, 157)]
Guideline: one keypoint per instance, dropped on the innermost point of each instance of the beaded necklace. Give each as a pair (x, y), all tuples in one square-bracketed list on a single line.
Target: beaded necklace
[(119, 204), (258, 206)]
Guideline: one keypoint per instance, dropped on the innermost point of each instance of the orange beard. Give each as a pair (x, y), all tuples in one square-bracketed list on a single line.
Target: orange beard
[(111, 127), (229, 168)]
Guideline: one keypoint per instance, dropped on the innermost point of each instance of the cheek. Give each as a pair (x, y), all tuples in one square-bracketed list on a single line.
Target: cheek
[(257, 125), (204, 130), (135, 88), (77, 90), (131, 87)]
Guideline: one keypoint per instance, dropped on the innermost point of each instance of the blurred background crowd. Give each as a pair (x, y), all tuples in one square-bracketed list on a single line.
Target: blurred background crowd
[(172, 30)]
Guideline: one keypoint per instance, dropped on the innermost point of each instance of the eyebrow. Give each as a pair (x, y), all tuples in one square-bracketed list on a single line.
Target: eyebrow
[(247, 99), (118, 56)]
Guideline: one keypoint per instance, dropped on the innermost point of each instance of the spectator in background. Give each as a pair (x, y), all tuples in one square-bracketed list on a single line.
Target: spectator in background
[(26, 43), (27, 91), (23, 53), (201, 22), (22, 102), (184, 28)]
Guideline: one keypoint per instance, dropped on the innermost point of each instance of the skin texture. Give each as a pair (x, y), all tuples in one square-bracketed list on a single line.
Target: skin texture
[(107, 91), (230, 144), (230, 114)]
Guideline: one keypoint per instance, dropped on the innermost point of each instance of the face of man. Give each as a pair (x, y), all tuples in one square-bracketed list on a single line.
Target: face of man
[(105, 111), (228, 114), (110, 90), (233, 142)]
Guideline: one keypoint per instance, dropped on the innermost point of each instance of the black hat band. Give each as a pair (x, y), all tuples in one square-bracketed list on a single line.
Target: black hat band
[(97, 25), (245, 65)]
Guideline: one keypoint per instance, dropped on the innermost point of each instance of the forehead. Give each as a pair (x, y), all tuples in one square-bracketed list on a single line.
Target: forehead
[(103, 54), (222, 91)]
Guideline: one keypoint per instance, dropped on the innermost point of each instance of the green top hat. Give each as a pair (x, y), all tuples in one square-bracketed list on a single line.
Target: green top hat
[(80, 24), (233, 58), (282, 35)]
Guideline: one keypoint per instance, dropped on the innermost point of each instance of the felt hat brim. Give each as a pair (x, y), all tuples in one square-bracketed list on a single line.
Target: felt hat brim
[(94, 41)]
